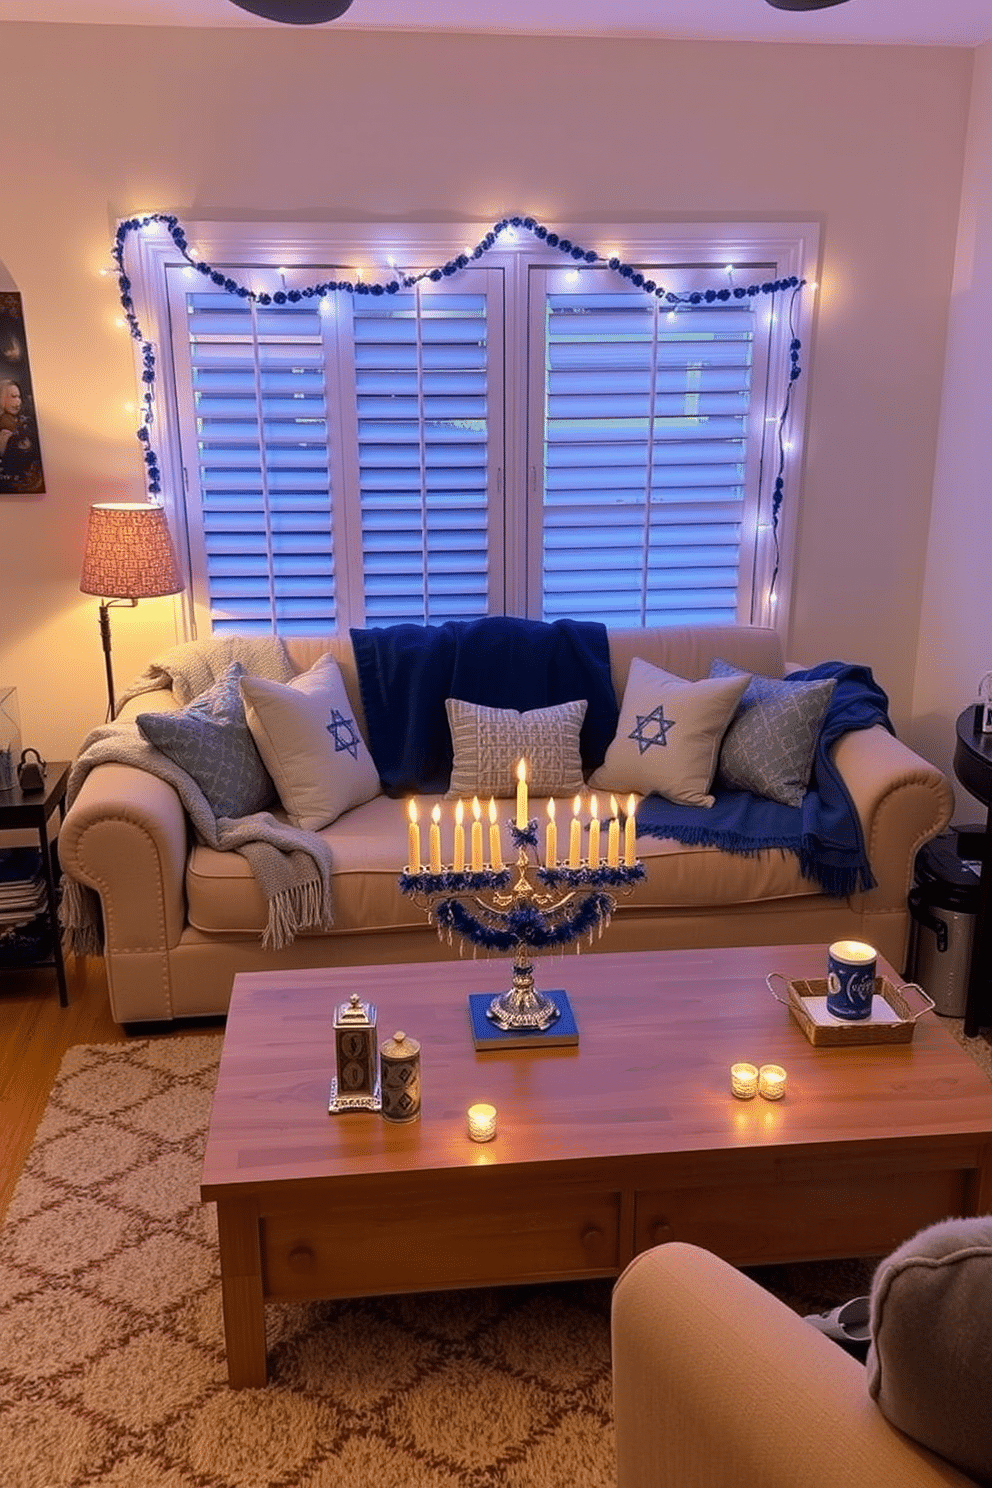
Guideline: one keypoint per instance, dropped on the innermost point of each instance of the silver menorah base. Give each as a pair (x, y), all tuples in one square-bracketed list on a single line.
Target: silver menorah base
[(523, 1006)]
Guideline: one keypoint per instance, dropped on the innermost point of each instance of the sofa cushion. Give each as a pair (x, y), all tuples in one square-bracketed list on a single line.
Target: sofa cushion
[(490, 742), (669, 734), (310, 741), (369, 848), (211, 741), (930, 1359), (770, 745)]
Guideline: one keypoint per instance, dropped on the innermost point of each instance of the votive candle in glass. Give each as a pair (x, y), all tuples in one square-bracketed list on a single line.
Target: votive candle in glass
[(771, 1081), (744, 1081), (482, 1122)]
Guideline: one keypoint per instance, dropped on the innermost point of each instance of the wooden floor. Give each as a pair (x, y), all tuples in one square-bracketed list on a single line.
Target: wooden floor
[(34, 1035)]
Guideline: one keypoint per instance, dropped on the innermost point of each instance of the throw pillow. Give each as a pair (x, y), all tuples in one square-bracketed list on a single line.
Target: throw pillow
[(210, 740), (490, 742), (307, 734), (669, 734), (771, 742), (930, 1359)]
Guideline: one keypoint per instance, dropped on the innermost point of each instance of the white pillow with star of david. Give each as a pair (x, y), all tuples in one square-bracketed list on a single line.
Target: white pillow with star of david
[(306, 732), (668, 737)]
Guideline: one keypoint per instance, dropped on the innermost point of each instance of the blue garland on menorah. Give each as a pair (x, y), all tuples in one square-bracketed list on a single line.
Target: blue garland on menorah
[(546, 908)]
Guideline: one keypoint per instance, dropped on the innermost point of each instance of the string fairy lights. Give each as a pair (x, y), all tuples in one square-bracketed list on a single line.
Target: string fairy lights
[(512, 227)]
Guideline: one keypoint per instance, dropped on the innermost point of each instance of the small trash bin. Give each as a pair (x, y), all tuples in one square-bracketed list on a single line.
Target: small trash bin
[(943, 905)]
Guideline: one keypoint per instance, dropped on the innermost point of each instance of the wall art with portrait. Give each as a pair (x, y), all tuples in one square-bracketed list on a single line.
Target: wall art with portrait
[(21, 473)]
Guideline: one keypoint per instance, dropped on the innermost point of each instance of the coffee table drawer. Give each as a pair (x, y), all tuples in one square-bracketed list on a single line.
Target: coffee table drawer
[(373, 1250), (783, 1221)]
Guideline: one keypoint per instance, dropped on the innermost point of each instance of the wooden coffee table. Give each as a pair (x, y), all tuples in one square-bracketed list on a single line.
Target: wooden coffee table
[(603, 1150)]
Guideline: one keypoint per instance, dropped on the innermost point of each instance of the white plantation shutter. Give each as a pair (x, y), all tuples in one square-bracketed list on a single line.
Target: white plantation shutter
[(257, 381), (422, 374), (650, 467)]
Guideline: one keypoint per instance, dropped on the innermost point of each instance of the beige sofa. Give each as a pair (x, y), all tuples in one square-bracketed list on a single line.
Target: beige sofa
[(718, 1385), (181, 919)]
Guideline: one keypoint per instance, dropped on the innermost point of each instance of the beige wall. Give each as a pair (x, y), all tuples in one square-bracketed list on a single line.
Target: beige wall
[(955, 648), (292, 123)]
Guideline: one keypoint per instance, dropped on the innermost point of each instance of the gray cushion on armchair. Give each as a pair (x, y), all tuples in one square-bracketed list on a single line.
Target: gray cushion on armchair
[(930, 1362)]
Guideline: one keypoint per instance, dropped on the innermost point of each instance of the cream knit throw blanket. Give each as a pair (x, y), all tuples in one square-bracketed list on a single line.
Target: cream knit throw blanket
[(292, 867)]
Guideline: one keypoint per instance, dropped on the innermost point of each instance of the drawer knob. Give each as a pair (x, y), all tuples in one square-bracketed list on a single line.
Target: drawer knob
[(662, 1232), (302, 1258), (591, 1237)]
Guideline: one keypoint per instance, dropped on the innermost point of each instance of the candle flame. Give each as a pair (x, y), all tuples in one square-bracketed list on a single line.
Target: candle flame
[(459, 812), (522, 770), (476, 808), (413, 811), (614, 808), (577, 806), (492, 811), (593, 808), (630, 805), (551, 809), (436, 814)]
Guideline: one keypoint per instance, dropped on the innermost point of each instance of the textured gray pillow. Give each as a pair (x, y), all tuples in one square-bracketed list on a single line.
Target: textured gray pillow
[(771, 742), (211, 741), (930, 1361), (490, 742)]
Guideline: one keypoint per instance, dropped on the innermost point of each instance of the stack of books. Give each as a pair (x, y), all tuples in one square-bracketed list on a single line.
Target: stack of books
[(24, 924)]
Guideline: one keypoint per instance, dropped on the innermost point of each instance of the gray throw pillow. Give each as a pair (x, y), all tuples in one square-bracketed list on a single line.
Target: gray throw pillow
[(930, 1360), (770, 745), (211, 741)]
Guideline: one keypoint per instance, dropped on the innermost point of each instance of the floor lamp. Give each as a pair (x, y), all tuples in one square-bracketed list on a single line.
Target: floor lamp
[(129, 556)]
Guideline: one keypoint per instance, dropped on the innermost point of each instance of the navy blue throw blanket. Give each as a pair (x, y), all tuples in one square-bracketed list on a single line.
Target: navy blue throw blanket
[(406, 671), (825, 831)]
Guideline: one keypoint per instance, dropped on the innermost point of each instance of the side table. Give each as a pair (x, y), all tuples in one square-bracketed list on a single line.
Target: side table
[(973, 767), (20, 809)]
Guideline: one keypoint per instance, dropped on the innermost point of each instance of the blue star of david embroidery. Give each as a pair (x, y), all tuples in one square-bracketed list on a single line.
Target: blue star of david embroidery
[(640, 734), (344, 733)]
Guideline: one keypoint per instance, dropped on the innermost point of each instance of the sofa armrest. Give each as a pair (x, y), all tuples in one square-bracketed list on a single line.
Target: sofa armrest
[(902, 801), (125, 836), (718, 1383)]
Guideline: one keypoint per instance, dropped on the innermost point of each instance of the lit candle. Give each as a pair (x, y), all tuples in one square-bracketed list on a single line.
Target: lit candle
[(551, 838), (482, 1123), (476, 836), (575, 836), (744, 1081), (434, 838), (593, 832), (458, 850), (495, 846), (522, 808), (413, 848), (613, 835), (630, 835), (771, 1081)]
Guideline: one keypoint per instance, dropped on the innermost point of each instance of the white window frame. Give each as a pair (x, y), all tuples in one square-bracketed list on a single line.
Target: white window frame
[(376, 252)]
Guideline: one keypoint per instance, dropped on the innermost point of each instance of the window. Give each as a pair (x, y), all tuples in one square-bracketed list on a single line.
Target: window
[(522, 436)]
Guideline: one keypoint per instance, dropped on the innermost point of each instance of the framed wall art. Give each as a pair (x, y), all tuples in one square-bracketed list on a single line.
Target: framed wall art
[(21, 472)]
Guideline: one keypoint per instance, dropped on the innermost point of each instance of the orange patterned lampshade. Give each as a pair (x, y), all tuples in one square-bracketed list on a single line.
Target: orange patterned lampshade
[(129, 553)]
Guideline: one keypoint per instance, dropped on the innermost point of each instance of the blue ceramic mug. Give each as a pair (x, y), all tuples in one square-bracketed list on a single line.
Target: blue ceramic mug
[(850, 979)]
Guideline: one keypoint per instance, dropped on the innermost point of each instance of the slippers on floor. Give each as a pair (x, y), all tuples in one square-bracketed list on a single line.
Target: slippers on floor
[(848, 1325)]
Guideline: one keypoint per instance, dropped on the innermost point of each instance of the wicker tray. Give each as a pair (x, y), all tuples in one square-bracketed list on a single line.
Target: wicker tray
[(892, 1024)]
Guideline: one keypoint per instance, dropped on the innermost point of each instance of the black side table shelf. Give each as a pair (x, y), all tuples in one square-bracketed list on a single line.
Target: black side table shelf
[(973, 767), (20, 809)]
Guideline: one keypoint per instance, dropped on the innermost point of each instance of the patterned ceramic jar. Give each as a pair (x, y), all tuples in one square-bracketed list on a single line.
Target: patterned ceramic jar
[(399, 1062)]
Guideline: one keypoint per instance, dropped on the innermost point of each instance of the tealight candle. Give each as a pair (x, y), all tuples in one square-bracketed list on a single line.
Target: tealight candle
[(575, 836), (476, 836), (613, 835), (434, 840), (593, 833), (551, 837), (630, 836), (482, 1123), (744, 1081), (458, 851), (522, 806), (495, 846), (771, 1081), (413, 846)]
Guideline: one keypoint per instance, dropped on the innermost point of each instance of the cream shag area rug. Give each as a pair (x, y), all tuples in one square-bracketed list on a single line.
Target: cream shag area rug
[(112, 1364)]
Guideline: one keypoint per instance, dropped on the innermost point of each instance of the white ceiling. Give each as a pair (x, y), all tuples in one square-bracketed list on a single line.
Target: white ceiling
[(919, 22)]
